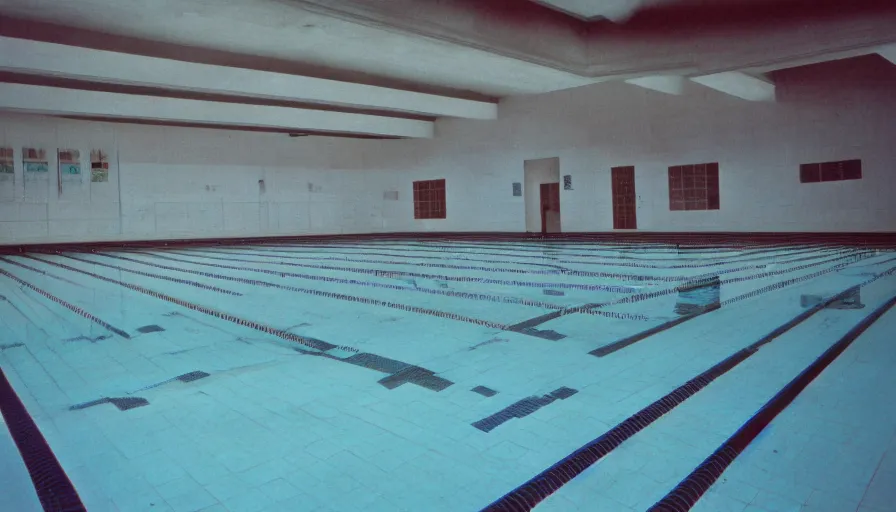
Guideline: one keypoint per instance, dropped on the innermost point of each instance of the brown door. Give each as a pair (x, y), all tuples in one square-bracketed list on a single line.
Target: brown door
[(624, 198), (550, 207)]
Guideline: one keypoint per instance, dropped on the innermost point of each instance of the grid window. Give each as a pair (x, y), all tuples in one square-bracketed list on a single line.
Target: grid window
[(429, 199), (694, 187), (831, 171)]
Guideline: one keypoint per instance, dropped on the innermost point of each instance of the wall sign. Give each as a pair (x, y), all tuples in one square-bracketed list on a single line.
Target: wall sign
[(567, 182), (7, 175), (517, 189), (99, 166), (6, 162), (34, 161), (69, 164)]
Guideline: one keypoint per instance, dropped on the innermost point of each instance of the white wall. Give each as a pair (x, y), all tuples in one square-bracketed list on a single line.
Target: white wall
[(836, 111), (169, 182), (179, 182)]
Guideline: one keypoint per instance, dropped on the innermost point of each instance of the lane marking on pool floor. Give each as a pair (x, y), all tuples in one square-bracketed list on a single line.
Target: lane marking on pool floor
[(615, 346), (686, 494), (529, 494), (405, 373), (353, 298), (71, 307), (536, 321)]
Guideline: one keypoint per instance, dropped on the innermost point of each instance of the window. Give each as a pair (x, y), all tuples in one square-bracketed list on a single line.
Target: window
[(429, 199), (831, 171), (694, 187)]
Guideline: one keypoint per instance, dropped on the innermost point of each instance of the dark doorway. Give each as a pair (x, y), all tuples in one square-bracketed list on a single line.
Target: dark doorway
[(550, 207), (624, 216)]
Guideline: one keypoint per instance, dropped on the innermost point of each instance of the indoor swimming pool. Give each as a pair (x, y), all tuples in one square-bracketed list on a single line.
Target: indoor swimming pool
[(452, 375)]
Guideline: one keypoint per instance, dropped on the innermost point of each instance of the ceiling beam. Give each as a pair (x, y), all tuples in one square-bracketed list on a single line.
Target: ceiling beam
[(669, 84), (72, 102), (888, 52), (56, 60), (741, 85)]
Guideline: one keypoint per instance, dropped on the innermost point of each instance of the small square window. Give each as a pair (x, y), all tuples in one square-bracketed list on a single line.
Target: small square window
[(429, 199)]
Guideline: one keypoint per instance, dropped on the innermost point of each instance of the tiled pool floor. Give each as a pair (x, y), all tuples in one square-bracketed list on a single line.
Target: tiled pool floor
[(443, 376)]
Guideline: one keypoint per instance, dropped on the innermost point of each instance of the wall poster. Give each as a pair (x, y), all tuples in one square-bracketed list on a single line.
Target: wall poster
[(69, 165), (35, 164), (7, 175), (37, 174), (99, 166)]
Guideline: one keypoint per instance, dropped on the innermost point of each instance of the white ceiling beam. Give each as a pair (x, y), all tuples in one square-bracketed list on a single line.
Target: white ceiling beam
[(888, 52), (739, 84), (48, 59), (60, 101), (668, 84)]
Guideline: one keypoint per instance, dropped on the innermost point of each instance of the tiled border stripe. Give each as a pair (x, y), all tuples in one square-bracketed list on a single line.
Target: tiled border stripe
[(448, 293), (63, 303), (480, 280), (330, 295), (532, 492), (686, 494), (54, 489), (157, 276), (532, 322)]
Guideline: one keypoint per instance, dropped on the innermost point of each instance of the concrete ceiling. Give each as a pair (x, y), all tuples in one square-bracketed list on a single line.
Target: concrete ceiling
[(615, 10), (389, 69)]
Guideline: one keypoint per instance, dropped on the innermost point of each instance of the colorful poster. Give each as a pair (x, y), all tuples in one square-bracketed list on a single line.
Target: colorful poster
[(6, 162), (69, 165), (99, 166), (7, 175), (35, 164)]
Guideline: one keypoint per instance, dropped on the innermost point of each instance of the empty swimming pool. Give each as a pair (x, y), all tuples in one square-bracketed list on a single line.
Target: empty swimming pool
[(451, 375)]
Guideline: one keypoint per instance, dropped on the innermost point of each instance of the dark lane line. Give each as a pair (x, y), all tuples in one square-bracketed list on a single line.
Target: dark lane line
[(371, 284), (65, 304), (599, 261), (565, 272), (156, 276), (435, 277), (552, 253), (516, 254), (336, 296), (318, 293), (533, 322), (53, 486), (615, 346), (686, 494), (539, 487), (399, 372)]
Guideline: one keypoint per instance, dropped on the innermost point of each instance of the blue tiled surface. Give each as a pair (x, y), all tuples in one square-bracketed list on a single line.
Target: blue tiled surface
[(382, 417)]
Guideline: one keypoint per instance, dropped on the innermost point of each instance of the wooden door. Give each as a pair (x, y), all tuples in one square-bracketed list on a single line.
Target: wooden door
[(624, 209), (550, 207)]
